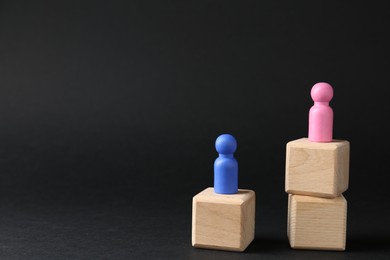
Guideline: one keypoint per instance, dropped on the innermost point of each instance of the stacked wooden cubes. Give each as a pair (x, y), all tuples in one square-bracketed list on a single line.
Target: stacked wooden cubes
[(317, 173), (316, 176)]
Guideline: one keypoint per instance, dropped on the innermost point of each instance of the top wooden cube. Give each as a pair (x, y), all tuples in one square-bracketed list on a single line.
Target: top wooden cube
[(317, 169)]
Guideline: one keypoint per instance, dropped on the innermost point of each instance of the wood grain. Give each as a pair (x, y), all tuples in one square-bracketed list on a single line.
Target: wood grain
[(224, 222), (317, 223), (317, 169)]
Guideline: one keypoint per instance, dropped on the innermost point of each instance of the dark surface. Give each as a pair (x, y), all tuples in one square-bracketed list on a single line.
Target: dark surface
[(109, 113)]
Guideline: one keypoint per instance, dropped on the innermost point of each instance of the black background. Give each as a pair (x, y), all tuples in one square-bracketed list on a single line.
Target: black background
[(109, 113)]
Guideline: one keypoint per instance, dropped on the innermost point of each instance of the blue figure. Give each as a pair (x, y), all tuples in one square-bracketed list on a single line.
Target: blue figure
[(226, 166)]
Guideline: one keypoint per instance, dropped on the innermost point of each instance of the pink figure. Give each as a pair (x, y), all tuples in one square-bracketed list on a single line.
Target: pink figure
[(321, 114)]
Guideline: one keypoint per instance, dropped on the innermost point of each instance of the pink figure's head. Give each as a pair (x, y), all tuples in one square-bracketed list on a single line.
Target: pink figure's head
[(322, 92)]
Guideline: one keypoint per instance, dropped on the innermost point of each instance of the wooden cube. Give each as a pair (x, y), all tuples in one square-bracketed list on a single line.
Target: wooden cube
[(317, 223), (223, 221), (317, 169)]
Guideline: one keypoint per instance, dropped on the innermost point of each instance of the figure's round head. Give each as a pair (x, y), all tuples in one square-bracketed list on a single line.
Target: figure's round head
[(226, 144), (322, 92)]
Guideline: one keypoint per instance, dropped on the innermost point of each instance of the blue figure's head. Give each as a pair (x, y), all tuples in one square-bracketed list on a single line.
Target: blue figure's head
[(226, 144)]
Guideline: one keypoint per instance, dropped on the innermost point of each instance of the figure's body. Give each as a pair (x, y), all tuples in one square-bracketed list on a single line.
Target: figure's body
[(321, 114), (225, 166)]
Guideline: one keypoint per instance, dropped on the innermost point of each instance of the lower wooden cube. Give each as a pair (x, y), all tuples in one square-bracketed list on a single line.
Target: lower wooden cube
[(317, 223), (223, 221)]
